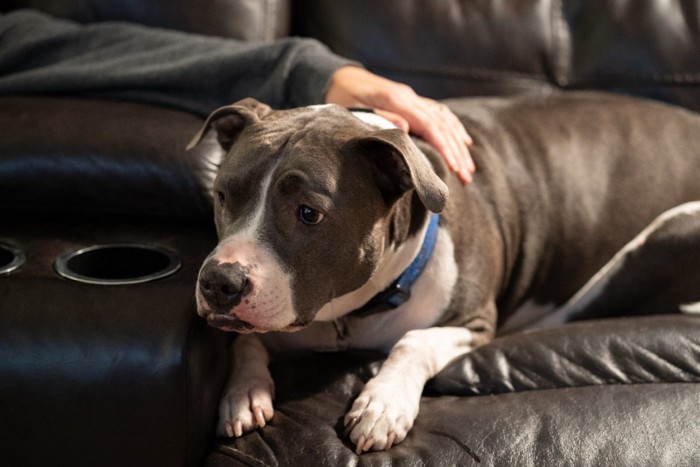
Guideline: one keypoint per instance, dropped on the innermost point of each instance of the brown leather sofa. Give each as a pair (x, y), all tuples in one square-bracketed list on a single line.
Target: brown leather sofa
[(128, 375)]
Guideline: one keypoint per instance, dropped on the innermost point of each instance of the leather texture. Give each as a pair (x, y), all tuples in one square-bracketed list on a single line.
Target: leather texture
[(97, 160), (128, 375), (613, 392), (475, 47), (645, 350), (105, 375)]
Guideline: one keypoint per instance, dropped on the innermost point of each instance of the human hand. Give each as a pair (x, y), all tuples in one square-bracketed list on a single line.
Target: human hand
[(356, 87)]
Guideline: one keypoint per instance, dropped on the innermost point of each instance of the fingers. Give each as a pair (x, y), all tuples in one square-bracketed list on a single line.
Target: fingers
[(439, 126), (436, 123), (399, 103)]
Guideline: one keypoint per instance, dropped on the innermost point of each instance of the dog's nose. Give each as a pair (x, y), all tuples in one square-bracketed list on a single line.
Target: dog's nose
[(224, 285)]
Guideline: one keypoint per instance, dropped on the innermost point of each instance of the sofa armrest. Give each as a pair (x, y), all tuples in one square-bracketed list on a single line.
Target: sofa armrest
[(107, 375), (63, 158)]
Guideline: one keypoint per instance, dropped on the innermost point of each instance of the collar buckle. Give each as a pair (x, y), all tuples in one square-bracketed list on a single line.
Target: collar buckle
[(392, 297)]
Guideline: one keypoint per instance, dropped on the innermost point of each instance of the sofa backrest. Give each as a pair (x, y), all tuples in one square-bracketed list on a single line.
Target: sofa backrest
[(451, 48), (448, 48)]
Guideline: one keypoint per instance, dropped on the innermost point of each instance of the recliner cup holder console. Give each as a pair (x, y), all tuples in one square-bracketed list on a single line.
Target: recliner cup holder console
[(118, 264), (11, 258)]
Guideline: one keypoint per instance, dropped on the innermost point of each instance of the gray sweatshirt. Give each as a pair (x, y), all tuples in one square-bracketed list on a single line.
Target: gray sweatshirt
[(44, 55)]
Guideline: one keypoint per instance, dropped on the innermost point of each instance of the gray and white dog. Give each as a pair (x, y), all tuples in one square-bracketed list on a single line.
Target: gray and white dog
[(330, 236)]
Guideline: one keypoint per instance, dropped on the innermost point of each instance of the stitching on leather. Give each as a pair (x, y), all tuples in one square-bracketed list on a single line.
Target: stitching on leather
[(648, 78), (242, 456), (473, 73), (270, 18), (608, 79), (561, 54)]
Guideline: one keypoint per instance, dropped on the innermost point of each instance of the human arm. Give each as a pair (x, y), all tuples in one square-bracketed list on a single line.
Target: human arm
[(43, 55)]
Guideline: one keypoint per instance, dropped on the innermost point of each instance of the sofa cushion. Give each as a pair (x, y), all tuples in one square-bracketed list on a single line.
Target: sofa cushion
[(609, 392), (63, 158), (457, 48)]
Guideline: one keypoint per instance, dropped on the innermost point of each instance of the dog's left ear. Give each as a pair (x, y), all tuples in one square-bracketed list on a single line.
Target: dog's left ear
[(401, 166), (230, 120)]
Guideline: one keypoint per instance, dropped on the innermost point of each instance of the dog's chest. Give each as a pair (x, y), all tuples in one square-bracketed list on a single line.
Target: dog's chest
[(430, 297), (377, 332)]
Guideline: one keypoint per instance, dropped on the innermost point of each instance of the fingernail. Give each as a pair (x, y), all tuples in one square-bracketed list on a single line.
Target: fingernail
[(466, 178), (390, 440), (349, 425), (360, 443)]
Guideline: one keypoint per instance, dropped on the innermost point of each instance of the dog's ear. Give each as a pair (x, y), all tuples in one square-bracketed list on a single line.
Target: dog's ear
[(228, 121), (401, 166)]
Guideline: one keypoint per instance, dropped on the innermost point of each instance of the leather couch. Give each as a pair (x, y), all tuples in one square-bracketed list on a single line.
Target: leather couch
[(124, 373)]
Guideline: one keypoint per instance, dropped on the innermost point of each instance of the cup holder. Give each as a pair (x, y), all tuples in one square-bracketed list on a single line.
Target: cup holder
[(11, 258), (118, 264)]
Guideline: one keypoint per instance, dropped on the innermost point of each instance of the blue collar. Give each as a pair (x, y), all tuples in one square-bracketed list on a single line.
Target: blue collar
[(399, 292)]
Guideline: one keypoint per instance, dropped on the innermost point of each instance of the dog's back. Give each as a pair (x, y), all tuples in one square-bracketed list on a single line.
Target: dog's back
[(570, 179)]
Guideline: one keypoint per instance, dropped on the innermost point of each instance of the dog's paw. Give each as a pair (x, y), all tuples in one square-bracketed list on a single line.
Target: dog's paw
[(245, 406), (381, 416)]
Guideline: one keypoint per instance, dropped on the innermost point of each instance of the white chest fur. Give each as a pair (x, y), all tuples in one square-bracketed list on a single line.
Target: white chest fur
[(430, 297)]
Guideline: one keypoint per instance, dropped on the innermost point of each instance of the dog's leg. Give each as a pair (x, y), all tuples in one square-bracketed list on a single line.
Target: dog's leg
[(384, 411), (656, 272), (247, 400)]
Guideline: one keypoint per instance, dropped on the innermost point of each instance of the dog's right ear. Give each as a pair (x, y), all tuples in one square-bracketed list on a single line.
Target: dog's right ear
[(400, 166), (230, 120)]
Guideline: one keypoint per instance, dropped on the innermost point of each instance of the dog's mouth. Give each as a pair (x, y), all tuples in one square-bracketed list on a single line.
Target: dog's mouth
[(230, 324)]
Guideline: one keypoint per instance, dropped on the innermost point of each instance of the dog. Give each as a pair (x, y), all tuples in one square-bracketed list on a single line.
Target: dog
[(336, 232)]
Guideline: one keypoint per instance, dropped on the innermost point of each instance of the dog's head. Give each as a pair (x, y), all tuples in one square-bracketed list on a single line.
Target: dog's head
[(307, 203)]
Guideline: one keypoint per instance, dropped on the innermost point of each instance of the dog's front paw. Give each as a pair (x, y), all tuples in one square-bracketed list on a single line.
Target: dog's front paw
[(381, 416), (245, 406)]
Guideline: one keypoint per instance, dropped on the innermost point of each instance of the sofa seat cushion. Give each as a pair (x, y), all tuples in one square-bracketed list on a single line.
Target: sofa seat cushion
[(609, 392)]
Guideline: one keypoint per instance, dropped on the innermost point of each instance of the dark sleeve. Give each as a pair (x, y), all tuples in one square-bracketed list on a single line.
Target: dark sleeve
[(43, 55)]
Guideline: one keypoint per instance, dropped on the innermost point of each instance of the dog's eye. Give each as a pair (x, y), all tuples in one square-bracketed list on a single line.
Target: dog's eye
[(309, 215), (221, 198)]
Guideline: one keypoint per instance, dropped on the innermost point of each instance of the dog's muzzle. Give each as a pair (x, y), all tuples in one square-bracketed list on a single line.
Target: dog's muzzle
[(223, 286)]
